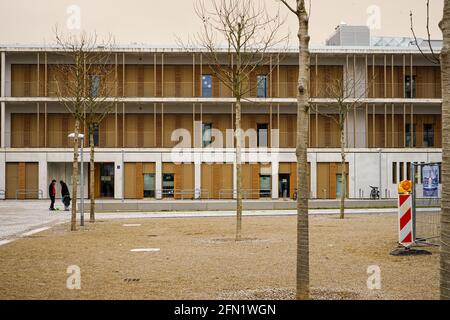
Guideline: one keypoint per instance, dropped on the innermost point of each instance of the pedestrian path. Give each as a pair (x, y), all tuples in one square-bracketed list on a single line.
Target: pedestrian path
[(22, 218)]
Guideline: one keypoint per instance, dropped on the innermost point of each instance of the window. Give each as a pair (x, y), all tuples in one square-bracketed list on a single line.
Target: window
[(94, 81), (402, 172), (149, 185), (263, 130), (394, 173), (410, 136), (168, 185), (262, 91), (408, 171), (428, 135), (265, 186), (95, 134), (206, 134), (416, 174), (410, 87), (206, 85)]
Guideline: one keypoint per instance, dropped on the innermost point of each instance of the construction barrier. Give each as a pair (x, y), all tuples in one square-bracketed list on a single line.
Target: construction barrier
[(405, 215)]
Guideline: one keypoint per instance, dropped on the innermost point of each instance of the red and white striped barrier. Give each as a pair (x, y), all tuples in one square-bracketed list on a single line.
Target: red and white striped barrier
[(405, 220)]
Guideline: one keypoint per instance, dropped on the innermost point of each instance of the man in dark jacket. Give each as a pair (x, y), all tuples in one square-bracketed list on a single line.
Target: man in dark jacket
[(52, 194), (65, 194)]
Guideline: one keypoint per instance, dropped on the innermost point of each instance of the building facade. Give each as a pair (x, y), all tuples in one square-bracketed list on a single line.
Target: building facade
[(170, 133)]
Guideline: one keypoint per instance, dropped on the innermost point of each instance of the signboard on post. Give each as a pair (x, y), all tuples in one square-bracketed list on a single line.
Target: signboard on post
[(430, 180)]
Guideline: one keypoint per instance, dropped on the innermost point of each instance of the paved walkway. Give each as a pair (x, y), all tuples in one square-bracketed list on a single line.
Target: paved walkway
[(18, 217), (21, 218)]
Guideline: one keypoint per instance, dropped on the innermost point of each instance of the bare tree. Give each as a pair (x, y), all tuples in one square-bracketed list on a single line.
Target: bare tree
[(445, 212), (444, 61), (433, 57), (83, 59), (101, 96), (237, 36), (303, 107), (346, 95)]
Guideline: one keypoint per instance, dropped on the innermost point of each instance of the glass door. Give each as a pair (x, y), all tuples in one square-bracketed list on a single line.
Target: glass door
[(149, 185), (339, 185), (283, 186), (265, 186), (107, 180), (168, 185)]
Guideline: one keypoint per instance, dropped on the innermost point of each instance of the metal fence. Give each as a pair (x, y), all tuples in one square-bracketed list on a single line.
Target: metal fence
[(427, 197)]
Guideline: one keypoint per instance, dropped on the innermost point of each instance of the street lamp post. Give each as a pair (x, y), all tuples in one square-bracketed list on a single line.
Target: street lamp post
[(81, 137)]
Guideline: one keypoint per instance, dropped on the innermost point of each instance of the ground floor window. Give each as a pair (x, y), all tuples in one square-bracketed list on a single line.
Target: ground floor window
[(339, 189), (168, 184), (265, 186), (283, 185), (394, 173), (149, 185), (107, 180)]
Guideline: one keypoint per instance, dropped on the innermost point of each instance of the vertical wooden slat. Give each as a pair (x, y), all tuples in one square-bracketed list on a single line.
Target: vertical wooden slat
[(367, 125), (373, 126), (392, 77), (317, 126), (21, 178), (139, 181), (162, 74), (385, 125), (404, 125)]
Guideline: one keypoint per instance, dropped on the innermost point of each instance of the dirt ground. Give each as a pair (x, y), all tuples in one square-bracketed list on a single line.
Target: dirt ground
[(198, 259)]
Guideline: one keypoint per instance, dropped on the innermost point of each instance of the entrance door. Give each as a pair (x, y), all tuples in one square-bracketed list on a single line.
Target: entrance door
[(339, 185), (284, 185), (107, 180), (168, 185), (149, 185), (265, 186)]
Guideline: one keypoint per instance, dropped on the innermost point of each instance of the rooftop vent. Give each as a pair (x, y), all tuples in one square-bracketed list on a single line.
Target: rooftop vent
[(346, 35)]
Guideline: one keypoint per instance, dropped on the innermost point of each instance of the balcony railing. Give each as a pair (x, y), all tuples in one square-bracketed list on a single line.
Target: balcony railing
[(220, 89), (21, 138)]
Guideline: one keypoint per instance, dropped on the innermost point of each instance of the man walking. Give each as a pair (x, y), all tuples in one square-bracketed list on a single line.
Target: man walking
[(65, 194), (52, 194)]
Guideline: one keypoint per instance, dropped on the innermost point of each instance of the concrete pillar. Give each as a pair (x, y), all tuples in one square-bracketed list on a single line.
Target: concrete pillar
[(3, 75), (3, 124), (2, 94), (313, 174), (43, 176), (198, 179), (2, 175), (119, 168), (275, 170), (353, 188), (158, 179), (234, 178)]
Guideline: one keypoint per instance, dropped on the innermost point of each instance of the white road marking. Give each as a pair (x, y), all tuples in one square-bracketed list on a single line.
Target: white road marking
[(29, 233), (132, 225), (146, 250), (3, 242)]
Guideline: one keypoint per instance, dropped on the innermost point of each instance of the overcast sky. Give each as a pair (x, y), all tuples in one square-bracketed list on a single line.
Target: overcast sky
[(159, 22)]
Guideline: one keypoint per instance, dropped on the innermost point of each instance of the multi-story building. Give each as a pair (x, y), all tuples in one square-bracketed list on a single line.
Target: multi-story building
[(397, 121)]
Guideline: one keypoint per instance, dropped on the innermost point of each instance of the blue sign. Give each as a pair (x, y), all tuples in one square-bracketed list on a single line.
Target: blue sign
[(430, 180)]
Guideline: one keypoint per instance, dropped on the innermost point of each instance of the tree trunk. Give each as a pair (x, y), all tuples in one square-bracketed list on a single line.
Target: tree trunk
[(302, 156), (343, 175), (73, 221), (92, 176), (445, 212), (238, 170)]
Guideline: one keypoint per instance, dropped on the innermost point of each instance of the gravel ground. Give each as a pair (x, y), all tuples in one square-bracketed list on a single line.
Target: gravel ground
[(198, 259)]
